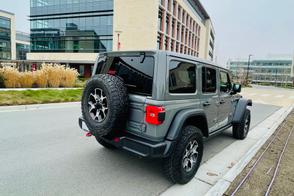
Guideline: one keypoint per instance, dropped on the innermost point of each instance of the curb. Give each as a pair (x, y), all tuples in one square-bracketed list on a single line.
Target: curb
[(20, 108), (35, 89), (223, 184), (216, 175)]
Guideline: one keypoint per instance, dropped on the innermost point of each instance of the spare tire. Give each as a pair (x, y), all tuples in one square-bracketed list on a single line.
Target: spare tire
[(105, 104)]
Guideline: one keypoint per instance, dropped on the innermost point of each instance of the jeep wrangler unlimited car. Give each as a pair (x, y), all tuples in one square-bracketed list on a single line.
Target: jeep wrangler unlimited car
[(162, 105)]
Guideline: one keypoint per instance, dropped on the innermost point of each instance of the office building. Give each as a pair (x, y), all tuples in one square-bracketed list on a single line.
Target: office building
[(267, 71), (13, 44), (73, 32), (22, 45), (7, 36)]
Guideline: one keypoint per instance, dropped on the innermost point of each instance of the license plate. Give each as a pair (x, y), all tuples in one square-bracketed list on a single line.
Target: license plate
[(84, 127)]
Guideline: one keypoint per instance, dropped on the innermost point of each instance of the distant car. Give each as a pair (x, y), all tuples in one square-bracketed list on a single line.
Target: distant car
[(161, 104)]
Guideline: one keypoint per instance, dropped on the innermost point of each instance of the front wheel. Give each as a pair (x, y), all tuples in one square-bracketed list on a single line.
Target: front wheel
[(185, 160), (240, 130)]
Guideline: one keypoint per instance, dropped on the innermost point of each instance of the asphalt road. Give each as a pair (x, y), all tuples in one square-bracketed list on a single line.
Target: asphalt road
[(43, 152), (269, 95)]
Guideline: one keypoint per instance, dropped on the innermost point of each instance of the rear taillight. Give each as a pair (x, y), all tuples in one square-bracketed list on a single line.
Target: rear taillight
[(155, 115)]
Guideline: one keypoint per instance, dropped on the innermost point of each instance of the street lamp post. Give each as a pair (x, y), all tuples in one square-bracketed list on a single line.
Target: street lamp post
[(249, 58), (118, 40)]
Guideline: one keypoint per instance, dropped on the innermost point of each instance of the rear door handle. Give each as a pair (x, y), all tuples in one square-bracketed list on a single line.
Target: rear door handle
[(206, 103)]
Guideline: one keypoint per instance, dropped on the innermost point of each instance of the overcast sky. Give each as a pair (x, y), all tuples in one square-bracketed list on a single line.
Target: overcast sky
[(21, 9), (258, 27), (243, 27)]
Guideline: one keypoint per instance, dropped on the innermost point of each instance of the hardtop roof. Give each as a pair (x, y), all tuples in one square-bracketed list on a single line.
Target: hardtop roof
[(168, 53)]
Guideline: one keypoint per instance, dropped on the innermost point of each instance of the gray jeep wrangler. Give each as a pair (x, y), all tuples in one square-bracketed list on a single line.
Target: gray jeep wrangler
[(162, 105)]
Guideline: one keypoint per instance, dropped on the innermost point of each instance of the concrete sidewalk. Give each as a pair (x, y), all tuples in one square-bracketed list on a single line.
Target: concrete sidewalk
[(216, 175)]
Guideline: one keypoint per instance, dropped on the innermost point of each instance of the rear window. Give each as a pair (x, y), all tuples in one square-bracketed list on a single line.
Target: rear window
[(182, 77), (136, 71)]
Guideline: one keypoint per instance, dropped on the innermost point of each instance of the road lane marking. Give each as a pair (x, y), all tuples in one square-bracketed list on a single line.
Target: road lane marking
[(265, 95), (252, 94), (7, 109)]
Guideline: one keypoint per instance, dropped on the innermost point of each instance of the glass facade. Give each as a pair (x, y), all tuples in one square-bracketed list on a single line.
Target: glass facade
[(5, 38), (21, 51), (71, 25), (263, 71), (48, 7)]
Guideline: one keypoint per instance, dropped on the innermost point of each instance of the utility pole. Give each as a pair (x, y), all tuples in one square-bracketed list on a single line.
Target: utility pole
[(249, 59)]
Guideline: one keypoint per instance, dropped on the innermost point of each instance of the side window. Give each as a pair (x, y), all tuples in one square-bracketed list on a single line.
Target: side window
[(208, 80), (225, 83), (182, 77)]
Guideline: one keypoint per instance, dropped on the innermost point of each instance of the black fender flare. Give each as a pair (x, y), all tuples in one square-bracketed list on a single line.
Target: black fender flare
[(240, 110), (179, 120)]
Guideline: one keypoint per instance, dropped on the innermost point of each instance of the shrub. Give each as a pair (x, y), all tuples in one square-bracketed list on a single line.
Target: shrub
[(69, 77), (50, 75), (2, 85), (59, 75), (26, 80), (55, 74), (11, 77), (41, 78)]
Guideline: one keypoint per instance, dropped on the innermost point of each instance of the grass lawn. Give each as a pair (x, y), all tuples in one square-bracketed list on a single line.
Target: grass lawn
[(39, 96)]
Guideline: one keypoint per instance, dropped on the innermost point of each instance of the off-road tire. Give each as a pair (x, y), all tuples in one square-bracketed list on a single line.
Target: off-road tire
[(104, 144), (240, 130), (117, 102), (173, 166)]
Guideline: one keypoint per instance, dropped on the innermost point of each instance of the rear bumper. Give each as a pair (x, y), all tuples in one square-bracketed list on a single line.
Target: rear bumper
[(137, 145)]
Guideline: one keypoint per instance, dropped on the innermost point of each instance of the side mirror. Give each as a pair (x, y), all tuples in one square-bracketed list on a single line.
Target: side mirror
[(237, 88)]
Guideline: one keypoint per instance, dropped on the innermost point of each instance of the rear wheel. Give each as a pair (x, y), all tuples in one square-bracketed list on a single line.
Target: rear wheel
[(240, 130), (185, 160)]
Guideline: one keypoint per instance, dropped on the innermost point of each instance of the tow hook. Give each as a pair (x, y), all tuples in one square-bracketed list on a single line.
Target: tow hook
[(88, 134)]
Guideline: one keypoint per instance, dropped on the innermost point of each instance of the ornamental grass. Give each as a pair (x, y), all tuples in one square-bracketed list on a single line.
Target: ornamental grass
[(50, 75)]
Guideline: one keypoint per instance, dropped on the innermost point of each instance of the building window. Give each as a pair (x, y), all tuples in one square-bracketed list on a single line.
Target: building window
[(178, 31), (172, 45), (21, 51), (82, 70), (5, 38), (179, 12), (174, 8), (169, 5), (182, 34), (173, 28), (167, 28), (166, 43), (160, 20), (159, 41)]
